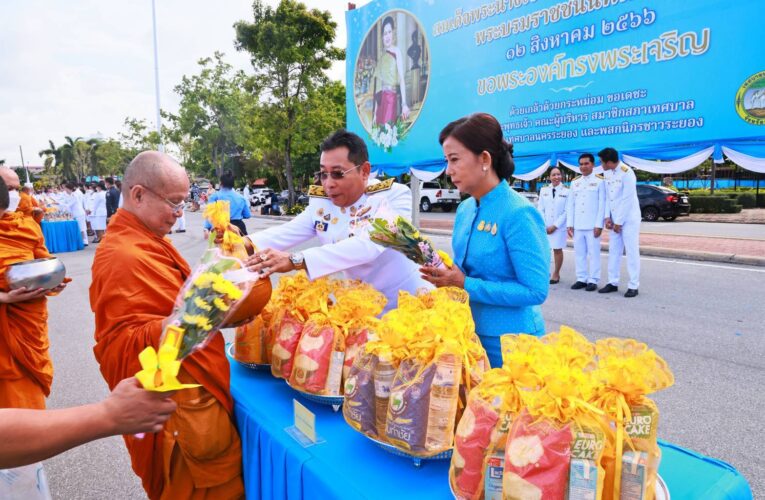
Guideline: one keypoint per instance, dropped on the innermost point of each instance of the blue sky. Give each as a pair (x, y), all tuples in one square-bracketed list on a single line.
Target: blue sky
[(80, 67)]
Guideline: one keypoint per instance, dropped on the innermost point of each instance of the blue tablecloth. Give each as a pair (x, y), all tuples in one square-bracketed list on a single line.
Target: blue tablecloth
[(349, 466), (62, 236)]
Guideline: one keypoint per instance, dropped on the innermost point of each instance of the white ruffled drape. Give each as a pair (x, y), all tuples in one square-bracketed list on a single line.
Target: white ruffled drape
[(669, 167), (537, 172), (745, 161)]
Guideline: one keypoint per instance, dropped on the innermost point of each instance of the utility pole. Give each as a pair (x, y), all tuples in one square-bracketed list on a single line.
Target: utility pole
[(24, 165), (161, 146)]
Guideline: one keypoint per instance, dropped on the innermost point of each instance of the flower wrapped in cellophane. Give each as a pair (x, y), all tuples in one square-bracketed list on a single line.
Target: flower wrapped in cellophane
[(408, 386), (203, 305), (563, 418), (400, 235)]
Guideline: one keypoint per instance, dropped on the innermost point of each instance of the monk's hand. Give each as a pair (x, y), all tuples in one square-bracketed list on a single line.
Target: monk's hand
[(439, 276), (55, 291), (22, 295), (269, 261), (130, 409)]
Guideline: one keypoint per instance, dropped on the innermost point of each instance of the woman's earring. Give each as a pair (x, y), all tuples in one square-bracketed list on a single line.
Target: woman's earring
[(485, 169)]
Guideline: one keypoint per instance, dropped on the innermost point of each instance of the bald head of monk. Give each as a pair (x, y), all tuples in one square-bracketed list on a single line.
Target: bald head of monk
[(154, 189), (10, 177)]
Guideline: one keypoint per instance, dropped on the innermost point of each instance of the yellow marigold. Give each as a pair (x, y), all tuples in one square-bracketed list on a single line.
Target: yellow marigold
[(221, 304), (218, 214), (204, 280), (202, 304), (227, 288)]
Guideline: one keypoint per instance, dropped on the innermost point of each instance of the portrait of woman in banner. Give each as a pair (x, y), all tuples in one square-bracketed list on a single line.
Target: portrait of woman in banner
[(391, 77)]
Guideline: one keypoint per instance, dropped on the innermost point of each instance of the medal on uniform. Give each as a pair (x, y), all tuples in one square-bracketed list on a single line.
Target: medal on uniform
[(488, 227), (320, 212), (327, 217), (334, 220), (494, 229), (481, 225)]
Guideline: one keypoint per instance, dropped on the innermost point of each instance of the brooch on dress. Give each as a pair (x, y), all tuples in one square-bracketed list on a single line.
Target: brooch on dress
[(488, 227)]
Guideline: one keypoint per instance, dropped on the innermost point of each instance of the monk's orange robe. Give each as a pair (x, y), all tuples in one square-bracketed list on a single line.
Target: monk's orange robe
[(136, 278), (27, 205), (26, 371)]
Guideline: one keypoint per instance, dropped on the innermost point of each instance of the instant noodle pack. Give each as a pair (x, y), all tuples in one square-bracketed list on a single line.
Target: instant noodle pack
[(562, 419)]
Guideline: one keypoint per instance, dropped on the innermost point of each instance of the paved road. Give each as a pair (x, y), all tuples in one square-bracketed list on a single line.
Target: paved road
[(705, 319), (678, 227)]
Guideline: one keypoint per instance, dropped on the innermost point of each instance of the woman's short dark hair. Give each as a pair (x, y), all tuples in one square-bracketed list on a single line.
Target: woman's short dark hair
[(588, 156), (388, 20), (70, 186), (357, 149), (101, 185), (227, 179), (481, 132), (5, 199)]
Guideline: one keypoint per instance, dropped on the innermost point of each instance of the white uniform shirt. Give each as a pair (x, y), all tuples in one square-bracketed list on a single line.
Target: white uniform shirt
[(99, 204), (89, 194), (79, 210), (345, 245), (553, 208), (586, 207), (72, 204), (623, 203)]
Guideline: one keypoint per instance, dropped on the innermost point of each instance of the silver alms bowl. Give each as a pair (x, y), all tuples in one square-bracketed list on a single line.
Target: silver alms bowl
[(33, 274)]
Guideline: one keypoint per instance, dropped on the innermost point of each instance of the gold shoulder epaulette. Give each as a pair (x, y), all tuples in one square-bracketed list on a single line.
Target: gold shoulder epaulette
[(317, 192), (380, 186), (624, 168), (600, 176), (576, 178)]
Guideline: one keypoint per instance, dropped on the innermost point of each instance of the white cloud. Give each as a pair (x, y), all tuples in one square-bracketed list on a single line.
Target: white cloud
[(81, 67)]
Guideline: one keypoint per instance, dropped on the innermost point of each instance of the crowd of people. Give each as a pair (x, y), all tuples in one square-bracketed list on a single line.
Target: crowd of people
[(501, 249)]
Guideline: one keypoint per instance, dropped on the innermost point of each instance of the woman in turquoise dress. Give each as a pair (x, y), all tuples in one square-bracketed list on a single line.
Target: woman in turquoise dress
[(500, 246)]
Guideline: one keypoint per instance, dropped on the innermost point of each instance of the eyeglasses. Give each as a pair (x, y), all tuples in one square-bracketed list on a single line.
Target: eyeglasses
[(335, 174), (176, 207)]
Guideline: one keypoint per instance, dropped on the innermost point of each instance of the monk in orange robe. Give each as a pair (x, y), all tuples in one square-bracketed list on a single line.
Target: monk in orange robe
[(28, 205), (137, 274), (26, 371)]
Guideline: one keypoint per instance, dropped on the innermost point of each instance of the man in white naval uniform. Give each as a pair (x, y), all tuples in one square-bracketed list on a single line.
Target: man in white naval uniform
[(339, 214), (623, 220), (585, 211)]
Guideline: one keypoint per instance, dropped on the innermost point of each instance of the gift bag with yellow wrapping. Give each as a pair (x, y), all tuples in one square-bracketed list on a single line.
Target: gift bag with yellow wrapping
[(359, 408), (627, 372), (251, 343)]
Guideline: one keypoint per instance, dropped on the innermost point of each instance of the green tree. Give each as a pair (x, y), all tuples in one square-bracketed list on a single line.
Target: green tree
[(138, 137), (111, 158), (290, 49), (210, 126), (58, 160)]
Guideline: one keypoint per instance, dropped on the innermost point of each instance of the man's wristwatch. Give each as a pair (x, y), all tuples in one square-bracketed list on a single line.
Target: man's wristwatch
[(298, 262)]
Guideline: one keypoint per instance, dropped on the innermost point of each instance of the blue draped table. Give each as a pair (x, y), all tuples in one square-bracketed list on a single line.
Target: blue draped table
[(348, 465), (62, 236)]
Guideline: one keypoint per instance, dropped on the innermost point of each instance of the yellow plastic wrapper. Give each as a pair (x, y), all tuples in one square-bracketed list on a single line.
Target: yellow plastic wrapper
[(627, 372)]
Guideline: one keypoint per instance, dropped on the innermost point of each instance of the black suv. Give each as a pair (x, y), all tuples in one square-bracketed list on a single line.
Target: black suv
[(658, 201)]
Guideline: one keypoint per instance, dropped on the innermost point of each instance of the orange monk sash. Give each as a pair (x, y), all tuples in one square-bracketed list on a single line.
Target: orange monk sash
[(23, 325)]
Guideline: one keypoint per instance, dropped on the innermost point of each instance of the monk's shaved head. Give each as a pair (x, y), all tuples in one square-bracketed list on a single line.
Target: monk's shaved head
[(154, 188), (152, 169), (10, 178)]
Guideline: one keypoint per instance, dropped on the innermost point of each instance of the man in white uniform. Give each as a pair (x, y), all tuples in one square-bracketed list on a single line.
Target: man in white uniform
[(339, 214), (585, 211), (624, 220), (75, 206), (552, 205)]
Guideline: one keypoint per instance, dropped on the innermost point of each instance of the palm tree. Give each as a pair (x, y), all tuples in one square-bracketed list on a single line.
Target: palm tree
[(52, 157)]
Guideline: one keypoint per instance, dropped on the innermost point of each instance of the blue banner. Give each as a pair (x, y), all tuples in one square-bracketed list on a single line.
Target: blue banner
[(649, 78)]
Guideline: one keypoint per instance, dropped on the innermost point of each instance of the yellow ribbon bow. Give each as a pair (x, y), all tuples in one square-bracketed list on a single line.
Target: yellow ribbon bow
[(160, 369)]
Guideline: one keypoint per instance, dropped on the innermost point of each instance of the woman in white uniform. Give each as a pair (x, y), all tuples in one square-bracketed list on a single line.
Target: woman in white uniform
[(552, 204), (98, 216), (76, 208)]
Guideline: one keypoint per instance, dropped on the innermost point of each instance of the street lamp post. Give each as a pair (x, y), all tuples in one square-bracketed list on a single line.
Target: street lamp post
[(161, 147)]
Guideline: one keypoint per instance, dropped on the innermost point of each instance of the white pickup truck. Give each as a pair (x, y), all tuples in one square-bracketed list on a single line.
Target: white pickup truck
[(433, 195)]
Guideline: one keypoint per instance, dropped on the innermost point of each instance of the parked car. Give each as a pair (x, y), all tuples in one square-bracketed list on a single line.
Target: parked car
[(260, 196), (529, 195), (658, 201), (432, 194), (300, 198)]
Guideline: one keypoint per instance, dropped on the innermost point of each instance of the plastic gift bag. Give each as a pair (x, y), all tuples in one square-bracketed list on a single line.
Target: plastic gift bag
[(252, 343), (472, 439), (360, 401), (286, 339), (537, 457), (318, 365)]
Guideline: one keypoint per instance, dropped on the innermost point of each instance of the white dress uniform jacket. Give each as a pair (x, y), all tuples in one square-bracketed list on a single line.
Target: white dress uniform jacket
[(552, 205), (624, 210), (345, 245), (585, 211)]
